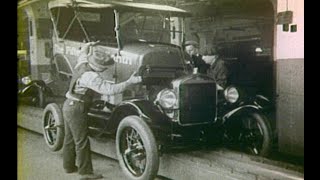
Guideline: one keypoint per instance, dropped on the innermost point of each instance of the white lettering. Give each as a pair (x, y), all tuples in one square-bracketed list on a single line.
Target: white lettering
[(72, 51), (58, 49), (123, 60), (68, 49)]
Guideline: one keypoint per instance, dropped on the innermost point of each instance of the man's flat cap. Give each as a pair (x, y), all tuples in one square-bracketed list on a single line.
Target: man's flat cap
[(194, 43)]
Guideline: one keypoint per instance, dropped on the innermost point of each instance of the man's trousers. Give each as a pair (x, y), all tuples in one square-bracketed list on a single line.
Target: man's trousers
[(76, 147)]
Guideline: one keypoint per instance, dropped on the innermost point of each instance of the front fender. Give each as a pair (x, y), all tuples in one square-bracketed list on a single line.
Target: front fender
[(33, 86), (240, 110), (146, 110)]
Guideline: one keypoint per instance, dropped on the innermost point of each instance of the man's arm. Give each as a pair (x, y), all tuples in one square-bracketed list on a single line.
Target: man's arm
[(201, 64), (222, 74), (84, 52), (93, 81), (86, 47)]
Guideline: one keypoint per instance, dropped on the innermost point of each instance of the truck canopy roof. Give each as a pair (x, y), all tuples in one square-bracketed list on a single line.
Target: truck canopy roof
[(121, 6)]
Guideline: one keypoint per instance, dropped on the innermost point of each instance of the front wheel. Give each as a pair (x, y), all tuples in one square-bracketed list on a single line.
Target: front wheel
[(137, 149), (255, 134), (53, 127)]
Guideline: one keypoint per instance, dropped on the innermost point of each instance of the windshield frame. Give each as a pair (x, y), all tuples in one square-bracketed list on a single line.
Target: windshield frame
[(146, 12), (166, 21)]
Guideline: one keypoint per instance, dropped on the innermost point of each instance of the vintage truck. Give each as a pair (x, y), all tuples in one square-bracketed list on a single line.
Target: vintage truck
[(171, 107)]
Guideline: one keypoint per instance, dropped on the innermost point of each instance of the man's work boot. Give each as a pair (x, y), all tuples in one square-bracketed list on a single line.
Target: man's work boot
[(75, 169), (91, 176)]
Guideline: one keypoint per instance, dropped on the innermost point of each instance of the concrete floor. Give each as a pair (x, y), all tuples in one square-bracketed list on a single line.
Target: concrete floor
[(37, 162)]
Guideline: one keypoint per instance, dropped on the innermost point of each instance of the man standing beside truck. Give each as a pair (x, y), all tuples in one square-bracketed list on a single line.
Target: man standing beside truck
[(85, 81), (218, 70), (195, 59)]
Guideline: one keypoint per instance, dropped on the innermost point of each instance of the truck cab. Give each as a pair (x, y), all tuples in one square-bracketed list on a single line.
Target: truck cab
[(145, 39)]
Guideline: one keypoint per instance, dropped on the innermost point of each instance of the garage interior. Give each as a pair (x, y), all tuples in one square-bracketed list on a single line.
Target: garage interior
[(260, 53), (243, 30)]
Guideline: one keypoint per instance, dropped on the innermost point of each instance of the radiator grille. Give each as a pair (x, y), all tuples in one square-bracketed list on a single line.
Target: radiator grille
[(197, 102)]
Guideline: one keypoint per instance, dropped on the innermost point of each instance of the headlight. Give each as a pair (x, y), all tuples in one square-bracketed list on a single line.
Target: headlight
[(166, 98), (26, 80), (231, 94)]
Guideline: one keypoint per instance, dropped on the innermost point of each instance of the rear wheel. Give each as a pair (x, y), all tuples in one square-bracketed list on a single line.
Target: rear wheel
[(53, 127), (39, 99), (137, 149)]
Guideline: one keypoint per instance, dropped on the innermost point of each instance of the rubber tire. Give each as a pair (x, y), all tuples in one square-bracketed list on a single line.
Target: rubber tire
[(57, 115), (267, 133), (41, 98), (150, 145)]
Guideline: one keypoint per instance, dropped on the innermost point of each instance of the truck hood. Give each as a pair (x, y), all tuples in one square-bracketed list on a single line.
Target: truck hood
[(155, 54)]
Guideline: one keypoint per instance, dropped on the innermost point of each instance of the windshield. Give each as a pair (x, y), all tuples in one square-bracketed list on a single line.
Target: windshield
[(142, 27), (98, 24)]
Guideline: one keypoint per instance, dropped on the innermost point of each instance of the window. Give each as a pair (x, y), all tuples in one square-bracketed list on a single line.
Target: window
[(137, 26), (85, 24), (44, 28), (30, 28)]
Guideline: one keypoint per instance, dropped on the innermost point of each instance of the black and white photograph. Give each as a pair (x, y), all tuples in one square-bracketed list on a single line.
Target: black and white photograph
[(160, 89)]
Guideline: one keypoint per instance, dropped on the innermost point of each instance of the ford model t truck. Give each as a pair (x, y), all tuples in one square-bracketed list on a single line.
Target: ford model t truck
[(171, 107)]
